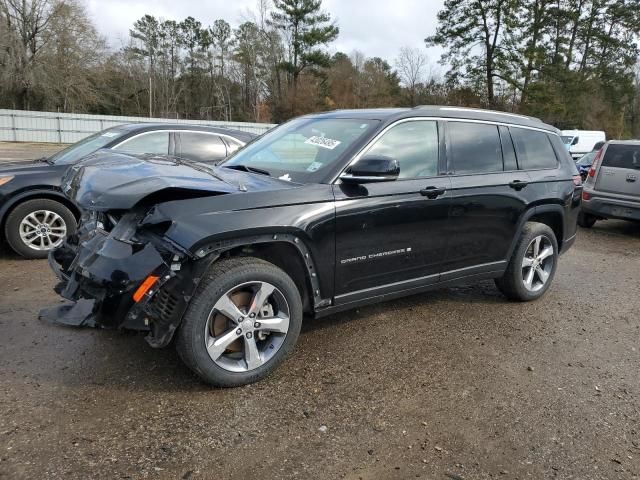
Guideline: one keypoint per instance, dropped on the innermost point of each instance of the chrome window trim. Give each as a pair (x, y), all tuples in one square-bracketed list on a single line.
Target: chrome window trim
[(124, 142), (224, 135), (363, 150)]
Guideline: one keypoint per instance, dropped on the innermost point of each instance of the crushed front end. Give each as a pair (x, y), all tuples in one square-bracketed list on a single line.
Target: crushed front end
[(120, 270), (121, 273)]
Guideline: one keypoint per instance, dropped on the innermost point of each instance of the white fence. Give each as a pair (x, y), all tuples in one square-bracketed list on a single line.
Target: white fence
[(27, 126)]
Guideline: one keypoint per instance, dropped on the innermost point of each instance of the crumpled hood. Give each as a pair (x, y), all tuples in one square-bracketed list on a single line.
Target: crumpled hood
[(108, 180)]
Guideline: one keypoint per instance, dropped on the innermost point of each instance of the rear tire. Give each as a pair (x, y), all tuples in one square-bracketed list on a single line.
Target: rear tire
[(23, 229), (247, 348), (586, 220), (532, 265)]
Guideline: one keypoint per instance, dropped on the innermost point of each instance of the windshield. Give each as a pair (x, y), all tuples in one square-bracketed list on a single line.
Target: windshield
[(587, 160), (567, 139), (301, 150), (86, 146)]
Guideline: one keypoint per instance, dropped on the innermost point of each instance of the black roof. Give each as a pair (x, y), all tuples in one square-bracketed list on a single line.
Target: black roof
[(145, 127), (391, 114)]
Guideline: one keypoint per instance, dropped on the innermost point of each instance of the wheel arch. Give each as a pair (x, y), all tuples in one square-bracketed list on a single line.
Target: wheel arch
[(551, 215), (34, 194), (285, 250)]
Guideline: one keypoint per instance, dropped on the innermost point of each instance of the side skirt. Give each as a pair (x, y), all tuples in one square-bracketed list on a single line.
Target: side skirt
[(392, 293)]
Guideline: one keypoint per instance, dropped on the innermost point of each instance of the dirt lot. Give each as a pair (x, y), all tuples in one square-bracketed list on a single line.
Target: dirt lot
[(455, 384), (12, 151)]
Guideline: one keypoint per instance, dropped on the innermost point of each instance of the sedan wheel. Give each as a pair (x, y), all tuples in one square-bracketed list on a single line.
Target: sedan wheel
[(37, 226), (43, 230)]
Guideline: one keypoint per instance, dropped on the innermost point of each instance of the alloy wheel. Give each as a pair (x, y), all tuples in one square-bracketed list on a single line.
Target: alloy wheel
[(247, 326), (42, 230), (537, 263)]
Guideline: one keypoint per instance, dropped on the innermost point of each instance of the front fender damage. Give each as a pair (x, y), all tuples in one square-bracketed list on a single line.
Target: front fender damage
[(100, 270)]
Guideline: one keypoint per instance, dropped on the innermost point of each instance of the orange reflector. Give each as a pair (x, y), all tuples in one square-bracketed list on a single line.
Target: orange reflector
[(144, 287)]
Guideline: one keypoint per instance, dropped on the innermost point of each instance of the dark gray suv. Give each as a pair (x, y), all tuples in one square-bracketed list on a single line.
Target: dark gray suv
[(612, 188)]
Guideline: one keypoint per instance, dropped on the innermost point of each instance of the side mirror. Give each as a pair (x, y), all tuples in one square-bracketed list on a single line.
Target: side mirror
[(372, 168), (575, 141)]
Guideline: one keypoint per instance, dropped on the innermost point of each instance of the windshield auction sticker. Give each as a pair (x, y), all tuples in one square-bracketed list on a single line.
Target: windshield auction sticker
[(323, 142)]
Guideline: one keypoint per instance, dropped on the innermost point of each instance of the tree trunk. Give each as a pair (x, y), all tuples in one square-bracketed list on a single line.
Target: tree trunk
[(538, 13), (587, 46), (574, 34)]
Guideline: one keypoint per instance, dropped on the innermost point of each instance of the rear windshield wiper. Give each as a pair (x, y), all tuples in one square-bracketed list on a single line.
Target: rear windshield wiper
[(246, 168)]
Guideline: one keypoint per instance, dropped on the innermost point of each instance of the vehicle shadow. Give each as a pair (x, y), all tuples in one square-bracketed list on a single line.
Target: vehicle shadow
[(615, 227), (123, 360), (6, 253), (480, 293)]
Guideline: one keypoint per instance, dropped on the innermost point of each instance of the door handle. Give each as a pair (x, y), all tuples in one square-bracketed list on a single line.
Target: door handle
[(432, 192), (518, 184)]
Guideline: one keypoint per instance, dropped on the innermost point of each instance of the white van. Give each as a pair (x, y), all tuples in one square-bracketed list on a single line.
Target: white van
[(579, 142)]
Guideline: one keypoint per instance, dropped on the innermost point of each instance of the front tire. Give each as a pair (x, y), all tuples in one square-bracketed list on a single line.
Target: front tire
[(36, 227), (242, 322), (532, 265)]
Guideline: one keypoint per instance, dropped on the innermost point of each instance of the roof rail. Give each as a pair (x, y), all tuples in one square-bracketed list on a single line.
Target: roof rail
[(480, 110)]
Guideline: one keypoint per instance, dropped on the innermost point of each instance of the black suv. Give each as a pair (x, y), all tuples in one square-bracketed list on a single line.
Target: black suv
[(322, 214)]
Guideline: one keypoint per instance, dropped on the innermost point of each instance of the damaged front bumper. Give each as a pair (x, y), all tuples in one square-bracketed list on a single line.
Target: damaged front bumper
[(102, 270)]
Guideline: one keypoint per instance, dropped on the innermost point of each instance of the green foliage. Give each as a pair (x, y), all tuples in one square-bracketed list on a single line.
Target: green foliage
[(573, 63), (307, 28)]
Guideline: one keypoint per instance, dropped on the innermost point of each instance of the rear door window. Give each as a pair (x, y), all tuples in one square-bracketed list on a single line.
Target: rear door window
[(151, 142), (474, 148), (533, 149), (622, 156)]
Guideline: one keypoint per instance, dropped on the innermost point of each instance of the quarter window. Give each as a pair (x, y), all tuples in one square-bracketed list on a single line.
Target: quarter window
[(533, 149), (202, 146), (155, 143), (475, 148), (414, 145), (232, 145)]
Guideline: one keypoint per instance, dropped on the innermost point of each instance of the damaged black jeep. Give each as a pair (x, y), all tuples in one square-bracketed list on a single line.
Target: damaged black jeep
[(322, 214)]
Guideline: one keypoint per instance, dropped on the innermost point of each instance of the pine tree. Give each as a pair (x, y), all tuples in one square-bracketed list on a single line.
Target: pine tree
[(307, 28)]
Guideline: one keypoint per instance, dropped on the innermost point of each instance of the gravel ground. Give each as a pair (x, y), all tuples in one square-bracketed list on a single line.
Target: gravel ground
[(453, 384)]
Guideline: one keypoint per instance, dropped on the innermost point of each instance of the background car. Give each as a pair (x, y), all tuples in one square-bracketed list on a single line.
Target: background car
[(579, 142), (35, 216), (584, 164), (612, 189)]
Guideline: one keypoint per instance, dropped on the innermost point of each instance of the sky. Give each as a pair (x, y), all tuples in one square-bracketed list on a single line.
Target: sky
[(375, 27)]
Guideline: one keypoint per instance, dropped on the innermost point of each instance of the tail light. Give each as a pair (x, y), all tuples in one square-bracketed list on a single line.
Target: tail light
[(594, 165), (586, 196)]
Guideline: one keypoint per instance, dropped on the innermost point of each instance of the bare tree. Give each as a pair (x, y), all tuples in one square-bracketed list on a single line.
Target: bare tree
[(25, 35), (73, 60), (411, 64)]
